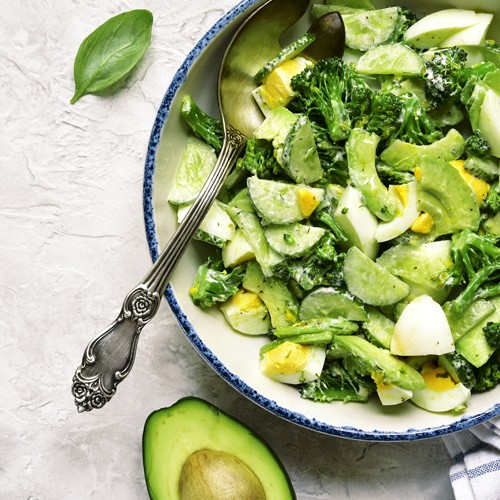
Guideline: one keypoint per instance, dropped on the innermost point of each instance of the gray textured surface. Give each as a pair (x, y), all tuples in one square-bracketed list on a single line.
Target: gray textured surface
[(72, 243)]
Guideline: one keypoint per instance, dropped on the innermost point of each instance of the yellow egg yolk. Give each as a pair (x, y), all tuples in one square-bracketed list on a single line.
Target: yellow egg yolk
[(277, 90), (287, 358), (480, 187), (423, 223), (246, 301), (307, 201), (437, 378)]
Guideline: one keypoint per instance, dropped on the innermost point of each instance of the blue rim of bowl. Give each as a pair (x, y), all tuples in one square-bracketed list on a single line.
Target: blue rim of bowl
[(189, 330)]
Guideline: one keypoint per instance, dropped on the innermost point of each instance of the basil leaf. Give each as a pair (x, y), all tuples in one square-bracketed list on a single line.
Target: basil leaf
[(111, 51)]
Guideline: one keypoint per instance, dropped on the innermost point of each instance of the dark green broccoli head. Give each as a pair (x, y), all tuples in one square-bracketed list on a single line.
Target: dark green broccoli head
[(477, 145), (492, 334), (444, 75), (492, 202)]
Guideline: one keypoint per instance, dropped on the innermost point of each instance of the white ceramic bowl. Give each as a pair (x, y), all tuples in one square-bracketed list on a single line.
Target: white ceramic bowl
[(235, 357)]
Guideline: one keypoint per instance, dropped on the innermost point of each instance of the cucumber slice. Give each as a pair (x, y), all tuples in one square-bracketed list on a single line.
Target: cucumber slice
[(328, 302), (237, 250), (365, 30), (249, 223), (283, 203), (378, 328), (197, 161), (418, 265), (293, 240), (391, 59), (371, 282), (287, 53), (299, 157), (435, 28), (281, 303), (217, 227)]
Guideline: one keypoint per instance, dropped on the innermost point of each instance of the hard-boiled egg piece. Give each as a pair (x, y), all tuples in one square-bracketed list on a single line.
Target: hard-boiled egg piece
[(441, 393), (246, 313), (422, 329), (408, 212), (391, 394), (292, 363), (276, 89)]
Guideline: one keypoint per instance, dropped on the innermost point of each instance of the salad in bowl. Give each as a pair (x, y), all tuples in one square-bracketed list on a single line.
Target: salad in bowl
[(353, 254)]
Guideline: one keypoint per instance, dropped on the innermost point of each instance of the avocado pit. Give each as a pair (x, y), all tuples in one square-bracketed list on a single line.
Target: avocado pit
[(217, 475)]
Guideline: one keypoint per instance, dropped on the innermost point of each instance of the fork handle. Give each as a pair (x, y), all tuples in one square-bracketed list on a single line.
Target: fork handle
[(109, 357)]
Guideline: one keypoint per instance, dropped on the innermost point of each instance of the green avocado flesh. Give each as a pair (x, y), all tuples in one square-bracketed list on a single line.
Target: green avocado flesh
[(193, 450)]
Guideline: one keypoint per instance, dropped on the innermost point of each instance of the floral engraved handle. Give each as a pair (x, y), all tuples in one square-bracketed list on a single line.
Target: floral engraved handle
[(109, 357)]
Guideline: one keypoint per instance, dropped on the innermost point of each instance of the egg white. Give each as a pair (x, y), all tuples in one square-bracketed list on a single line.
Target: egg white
[(388, 230), (422, 329), (440, 401)]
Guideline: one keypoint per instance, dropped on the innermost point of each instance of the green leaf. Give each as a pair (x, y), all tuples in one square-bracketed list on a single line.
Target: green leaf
[(111, 51)]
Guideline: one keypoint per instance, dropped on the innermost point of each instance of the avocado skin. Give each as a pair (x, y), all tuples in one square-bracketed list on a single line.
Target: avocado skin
[(191, 424)]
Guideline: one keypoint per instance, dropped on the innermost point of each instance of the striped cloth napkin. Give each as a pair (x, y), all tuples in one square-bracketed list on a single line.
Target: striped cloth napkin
[(475, 473)]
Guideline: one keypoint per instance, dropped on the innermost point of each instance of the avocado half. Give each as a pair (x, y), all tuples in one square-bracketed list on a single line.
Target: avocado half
[(193, 449)]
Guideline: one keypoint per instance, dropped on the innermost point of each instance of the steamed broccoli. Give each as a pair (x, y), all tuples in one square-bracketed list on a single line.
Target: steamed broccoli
[(213, 283), (477, 145), (331, 155), (492, 201), (336, 383), (204, 126), (406, 18), (492, 334), (476, 379), (444, 75), (323, 91), (324, 266), (258, 159), (386, 114), (476, 267)]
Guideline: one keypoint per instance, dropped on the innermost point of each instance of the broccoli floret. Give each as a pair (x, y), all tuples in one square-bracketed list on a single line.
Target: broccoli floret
[(336, 383), (389, 175), (324, 266), (444, 75), (492, 334), (258, 159), (386, 115), (213, 283), (476, 379), (323, 91), (406, 18), (492, 201), (488, 375), (204, 126), (476, 268), (332, 156), (477, 145)]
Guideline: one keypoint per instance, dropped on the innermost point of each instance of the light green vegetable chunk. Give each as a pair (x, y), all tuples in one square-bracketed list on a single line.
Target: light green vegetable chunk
[(328, 302), (293, 240), (405, 157), (418, 265), (361, 150), (197, 161), (279, 300), (379, 362), (371, 282), (445, 195)]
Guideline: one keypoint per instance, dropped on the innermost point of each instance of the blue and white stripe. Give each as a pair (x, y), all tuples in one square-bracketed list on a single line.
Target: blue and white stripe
[(475, 472)]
